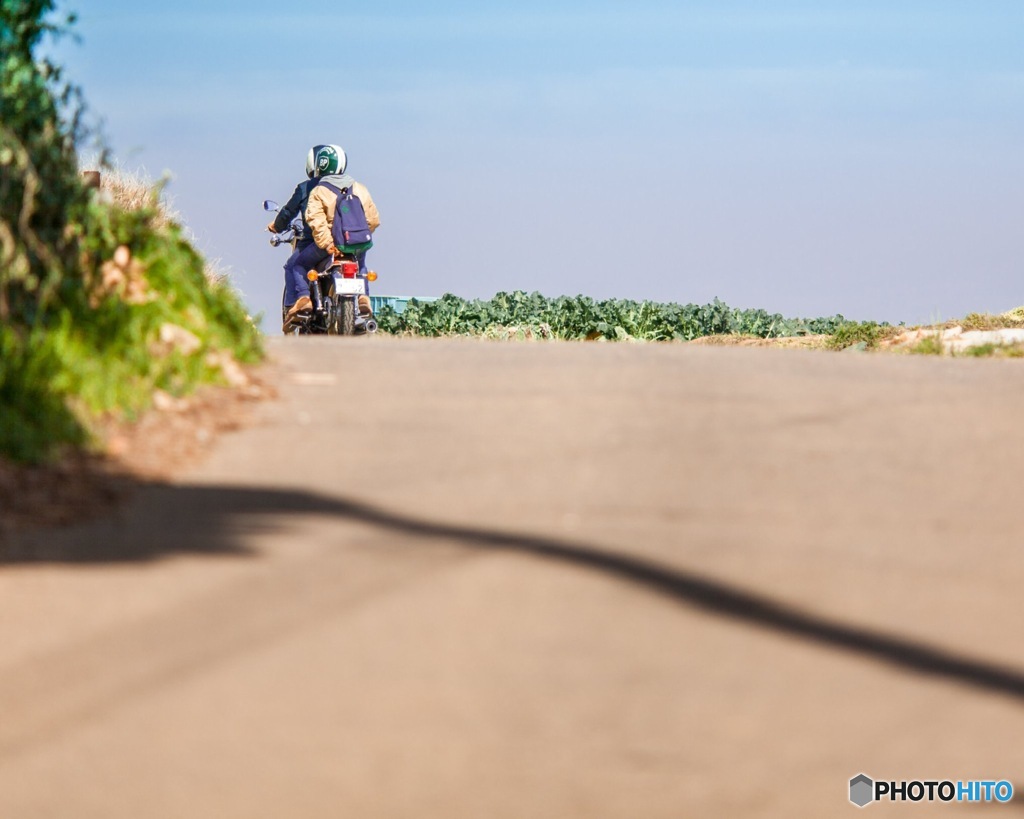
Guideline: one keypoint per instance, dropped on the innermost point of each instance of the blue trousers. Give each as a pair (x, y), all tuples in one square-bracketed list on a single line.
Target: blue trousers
[(304, 259)]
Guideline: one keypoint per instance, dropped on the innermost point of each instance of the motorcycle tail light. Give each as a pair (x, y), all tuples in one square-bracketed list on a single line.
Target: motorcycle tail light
[(349, 270)]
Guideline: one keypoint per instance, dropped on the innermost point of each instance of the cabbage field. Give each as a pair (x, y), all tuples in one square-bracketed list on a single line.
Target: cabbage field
[(580, 317)]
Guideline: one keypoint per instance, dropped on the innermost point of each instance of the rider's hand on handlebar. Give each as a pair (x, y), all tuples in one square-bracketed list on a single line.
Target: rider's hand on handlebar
[(270, 227)]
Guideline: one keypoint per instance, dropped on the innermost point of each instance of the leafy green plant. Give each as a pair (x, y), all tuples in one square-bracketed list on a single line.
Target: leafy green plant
[(581, 317)]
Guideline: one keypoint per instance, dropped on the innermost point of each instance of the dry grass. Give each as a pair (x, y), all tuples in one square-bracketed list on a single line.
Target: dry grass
[(809, 342), (986, 321), (217, 273), (135, 189)]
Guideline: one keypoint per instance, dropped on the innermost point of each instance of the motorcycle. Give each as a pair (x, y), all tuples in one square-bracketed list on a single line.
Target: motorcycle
[(334, 288)]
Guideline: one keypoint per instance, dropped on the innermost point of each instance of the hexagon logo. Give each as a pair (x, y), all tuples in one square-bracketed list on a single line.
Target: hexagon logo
[(862, 790)]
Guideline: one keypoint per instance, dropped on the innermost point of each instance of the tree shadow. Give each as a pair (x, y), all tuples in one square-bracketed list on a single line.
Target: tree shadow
[(169, 519)]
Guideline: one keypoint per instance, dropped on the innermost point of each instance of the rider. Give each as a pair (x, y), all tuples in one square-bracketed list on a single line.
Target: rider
[(296, 206), (327, 163)]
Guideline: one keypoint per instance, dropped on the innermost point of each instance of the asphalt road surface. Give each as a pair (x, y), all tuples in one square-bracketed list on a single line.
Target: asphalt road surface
[(482, 579)]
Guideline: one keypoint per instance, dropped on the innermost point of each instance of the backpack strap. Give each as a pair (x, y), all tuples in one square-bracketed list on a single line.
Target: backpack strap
[(339, 192)]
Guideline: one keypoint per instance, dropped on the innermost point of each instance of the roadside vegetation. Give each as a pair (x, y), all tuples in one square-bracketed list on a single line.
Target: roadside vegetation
[(1012, 320), (863, 334), (103, 299), (531, 315), (929, 345)]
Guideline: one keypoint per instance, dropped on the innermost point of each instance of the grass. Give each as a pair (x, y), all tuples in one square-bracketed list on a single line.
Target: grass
[(36, 414), (930, 340), (980, 351), (134, 190), (103, 296), (987, 321), (994, 351), (929, 345), (868, 333), (100, 352)]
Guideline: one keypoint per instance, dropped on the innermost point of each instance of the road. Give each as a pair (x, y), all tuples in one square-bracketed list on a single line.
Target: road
[(484, 579)]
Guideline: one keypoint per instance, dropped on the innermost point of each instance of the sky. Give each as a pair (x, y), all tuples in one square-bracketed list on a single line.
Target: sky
[(806, 157)]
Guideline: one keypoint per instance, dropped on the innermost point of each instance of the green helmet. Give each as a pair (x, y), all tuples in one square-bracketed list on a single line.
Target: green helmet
[(326, 160)]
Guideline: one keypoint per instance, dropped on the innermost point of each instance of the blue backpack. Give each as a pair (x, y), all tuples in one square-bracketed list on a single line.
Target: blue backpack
[(349, 230)]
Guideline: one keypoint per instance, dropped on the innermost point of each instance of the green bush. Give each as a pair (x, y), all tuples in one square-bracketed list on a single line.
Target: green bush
[(86, 286), (41, 195), (36, 418)]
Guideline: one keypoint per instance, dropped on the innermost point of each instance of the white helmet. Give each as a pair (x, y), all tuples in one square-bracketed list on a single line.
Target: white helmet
[(325, 160)]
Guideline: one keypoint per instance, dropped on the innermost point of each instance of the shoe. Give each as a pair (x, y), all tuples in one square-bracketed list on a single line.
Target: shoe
[(364, 306), (304, 303)]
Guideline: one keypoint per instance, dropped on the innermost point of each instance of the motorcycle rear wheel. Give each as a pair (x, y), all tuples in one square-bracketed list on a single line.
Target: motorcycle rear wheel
[(332, 323), (346, 316)]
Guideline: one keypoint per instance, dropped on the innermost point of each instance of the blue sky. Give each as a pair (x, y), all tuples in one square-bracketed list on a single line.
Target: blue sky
[(805, 157)]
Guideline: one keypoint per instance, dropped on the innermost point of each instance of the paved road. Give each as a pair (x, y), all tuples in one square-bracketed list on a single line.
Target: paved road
[(466, 579)]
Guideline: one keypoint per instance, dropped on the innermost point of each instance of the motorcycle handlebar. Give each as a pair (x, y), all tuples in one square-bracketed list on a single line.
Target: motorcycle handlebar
[(293, 231)]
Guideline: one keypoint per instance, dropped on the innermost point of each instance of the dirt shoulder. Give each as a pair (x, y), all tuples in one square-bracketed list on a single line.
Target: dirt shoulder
[(174, 434), (811, 342)]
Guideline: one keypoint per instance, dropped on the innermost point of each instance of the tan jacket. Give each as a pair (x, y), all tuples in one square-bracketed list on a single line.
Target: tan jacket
[(320, 212)]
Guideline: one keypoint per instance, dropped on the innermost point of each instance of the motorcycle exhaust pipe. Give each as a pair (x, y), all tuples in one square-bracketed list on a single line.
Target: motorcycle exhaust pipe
[(370, 326)]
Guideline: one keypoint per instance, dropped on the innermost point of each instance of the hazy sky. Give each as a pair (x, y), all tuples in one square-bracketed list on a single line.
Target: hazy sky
[(808, 157)]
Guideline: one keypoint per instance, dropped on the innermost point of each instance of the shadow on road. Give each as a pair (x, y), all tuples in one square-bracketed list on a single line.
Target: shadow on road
[(167, 520)]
